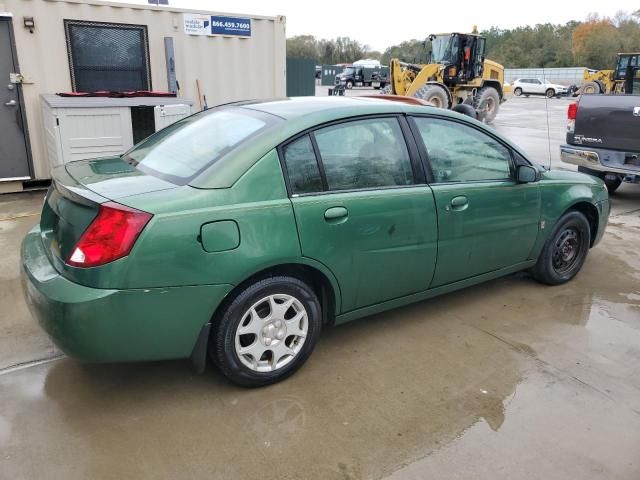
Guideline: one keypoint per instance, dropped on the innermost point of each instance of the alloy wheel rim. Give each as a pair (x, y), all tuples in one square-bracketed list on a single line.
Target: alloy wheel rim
[(271, 333), (566, 250)]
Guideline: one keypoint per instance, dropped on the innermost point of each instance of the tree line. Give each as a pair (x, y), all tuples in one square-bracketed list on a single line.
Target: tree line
[(591, 43)]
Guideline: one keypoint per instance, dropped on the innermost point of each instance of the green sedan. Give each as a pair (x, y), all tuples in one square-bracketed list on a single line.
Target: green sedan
[(240, 232)]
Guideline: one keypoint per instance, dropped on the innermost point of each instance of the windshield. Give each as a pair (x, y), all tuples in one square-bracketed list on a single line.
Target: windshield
[(444, 49), (348, 70), (184, 149)]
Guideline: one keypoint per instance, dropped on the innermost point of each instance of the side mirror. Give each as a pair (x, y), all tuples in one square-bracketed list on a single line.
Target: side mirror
[(526, 174)]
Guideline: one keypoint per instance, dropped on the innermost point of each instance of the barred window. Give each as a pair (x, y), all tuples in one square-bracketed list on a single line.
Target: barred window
[(107, 56)]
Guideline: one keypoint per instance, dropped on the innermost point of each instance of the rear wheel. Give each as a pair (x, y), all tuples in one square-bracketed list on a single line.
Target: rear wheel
[(591, 87), (517, 91), (433, 94), (611, 180), (564, 251), (266, 332), (487, 102)]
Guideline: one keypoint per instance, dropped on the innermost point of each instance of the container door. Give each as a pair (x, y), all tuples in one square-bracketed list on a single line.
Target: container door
[(14, 162)]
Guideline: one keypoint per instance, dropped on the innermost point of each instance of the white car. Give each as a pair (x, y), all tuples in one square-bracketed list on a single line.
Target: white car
[(537, 86)]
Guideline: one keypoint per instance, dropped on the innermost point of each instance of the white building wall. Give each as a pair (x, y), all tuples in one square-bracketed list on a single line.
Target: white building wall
[(228, 68), (562, 76)]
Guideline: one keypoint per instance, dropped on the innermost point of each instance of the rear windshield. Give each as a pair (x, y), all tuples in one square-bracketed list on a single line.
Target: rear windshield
[(181, 151)]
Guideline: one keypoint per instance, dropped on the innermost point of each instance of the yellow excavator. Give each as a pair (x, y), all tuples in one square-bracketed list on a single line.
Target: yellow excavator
[(457, 77), (610, 81)]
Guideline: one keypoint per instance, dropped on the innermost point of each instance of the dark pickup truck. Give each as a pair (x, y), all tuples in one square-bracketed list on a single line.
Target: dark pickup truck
[(603, 137), (376, 77)]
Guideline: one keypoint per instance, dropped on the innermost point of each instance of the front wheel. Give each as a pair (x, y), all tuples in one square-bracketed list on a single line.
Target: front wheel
[(550, 93), (434, 94), (487, 103), (591, 88), (349, 84), (564, 251), (517, 91), (266, 332)]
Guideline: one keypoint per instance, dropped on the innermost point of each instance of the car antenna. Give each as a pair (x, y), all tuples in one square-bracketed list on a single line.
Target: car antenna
[(546, 104)]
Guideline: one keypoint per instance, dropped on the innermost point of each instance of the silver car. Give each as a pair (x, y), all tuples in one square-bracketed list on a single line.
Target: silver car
[(537, 86)]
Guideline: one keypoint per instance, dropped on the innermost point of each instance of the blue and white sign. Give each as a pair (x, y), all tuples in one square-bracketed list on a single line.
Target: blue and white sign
[(231, 26), (201, 24)]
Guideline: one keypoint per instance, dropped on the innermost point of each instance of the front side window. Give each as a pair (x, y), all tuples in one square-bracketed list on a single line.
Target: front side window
[(364, 154), (459, 153), (107, 56), (444, 49), (182, 150)]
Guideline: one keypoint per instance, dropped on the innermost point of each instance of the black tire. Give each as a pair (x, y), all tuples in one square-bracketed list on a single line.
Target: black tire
[(466, 109), (565, 250), (591, 88), (487, 103), (593, 173), (349, 84), (611, 180), (434, 94), (550, 93), (222, 344), (517, 91)]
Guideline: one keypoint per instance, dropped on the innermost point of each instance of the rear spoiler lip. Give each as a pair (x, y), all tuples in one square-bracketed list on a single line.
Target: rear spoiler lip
[(62, 181)]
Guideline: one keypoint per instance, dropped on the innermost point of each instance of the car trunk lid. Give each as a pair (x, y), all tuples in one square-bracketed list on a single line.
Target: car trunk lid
[(76, 193), (114, 178)]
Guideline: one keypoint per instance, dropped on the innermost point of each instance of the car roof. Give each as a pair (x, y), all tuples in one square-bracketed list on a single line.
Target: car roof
[(297, 107), (298, 114)]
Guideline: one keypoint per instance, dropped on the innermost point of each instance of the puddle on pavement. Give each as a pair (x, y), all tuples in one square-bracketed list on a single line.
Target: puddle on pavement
[(371, 398), (486, 364)]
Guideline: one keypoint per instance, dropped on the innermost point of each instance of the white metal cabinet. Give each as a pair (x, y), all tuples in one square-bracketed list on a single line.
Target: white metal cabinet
[(167, 114), (79, 128)]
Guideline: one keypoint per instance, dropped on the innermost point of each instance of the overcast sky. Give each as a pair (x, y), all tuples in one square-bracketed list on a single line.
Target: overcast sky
[(381, 24)]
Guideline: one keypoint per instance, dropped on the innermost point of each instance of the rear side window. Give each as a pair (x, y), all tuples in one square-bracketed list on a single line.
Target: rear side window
[(364, 154), (459, 153), (179, 152), (302, 167)]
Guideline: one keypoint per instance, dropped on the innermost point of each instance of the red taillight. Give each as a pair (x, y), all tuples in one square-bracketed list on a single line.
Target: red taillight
[(572, 111), (110, 236)]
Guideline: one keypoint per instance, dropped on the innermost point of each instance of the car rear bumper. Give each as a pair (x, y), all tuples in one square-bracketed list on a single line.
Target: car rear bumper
[(107, 325), (599, 159)]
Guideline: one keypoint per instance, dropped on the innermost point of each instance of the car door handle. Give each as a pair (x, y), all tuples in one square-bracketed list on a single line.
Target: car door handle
[(459, 203), (11, 103), (336, 214)]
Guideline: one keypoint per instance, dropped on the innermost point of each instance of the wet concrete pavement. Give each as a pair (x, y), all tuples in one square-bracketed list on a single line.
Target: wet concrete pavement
[(509, 379)]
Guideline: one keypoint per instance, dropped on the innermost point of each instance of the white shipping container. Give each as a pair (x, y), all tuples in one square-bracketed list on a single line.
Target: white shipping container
[(228, 68)]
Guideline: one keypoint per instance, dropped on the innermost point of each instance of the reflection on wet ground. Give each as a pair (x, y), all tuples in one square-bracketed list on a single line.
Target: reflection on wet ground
[(510, 379)]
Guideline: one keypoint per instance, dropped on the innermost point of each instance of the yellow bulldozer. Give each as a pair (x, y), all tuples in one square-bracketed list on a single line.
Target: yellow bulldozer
[(457, 76), (611, 81)]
